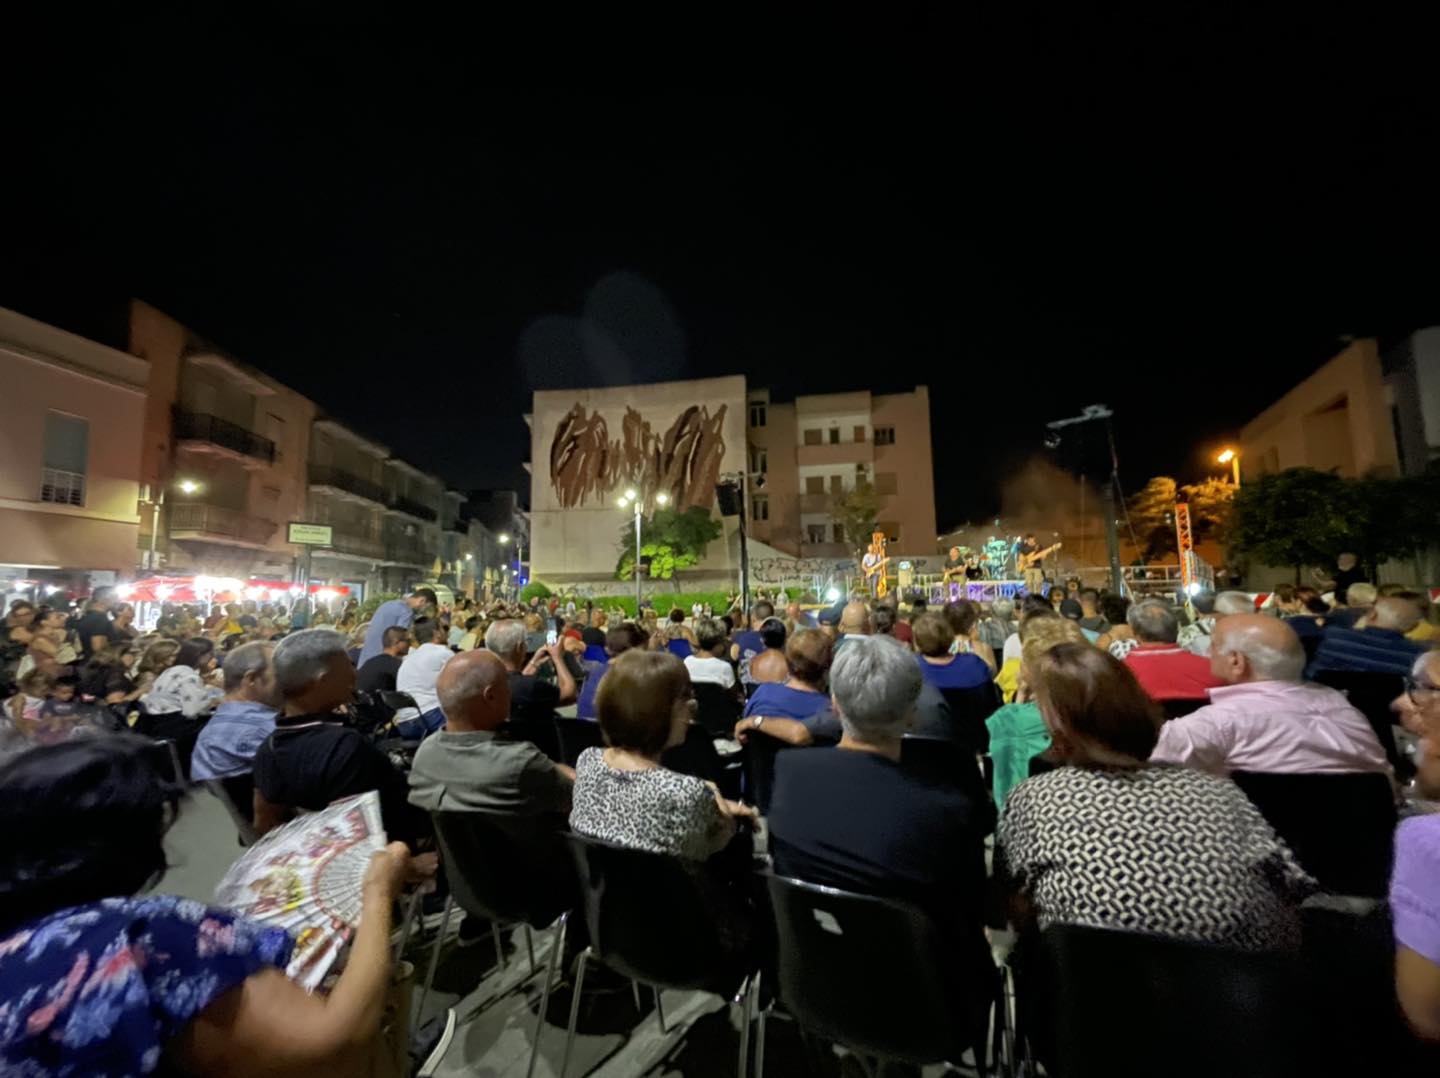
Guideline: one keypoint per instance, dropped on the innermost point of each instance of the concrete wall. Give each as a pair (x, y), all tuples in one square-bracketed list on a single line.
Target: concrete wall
[(45, 369), (574, 522), (912, 507), (1338, 418)]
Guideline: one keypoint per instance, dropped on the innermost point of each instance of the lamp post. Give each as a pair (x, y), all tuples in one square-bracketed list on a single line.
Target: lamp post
[(187, 486), (632, 497), (1232, 458)]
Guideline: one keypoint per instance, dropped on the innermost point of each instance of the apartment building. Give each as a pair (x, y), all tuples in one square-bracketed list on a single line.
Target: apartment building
[(70, 465), (804, 453)]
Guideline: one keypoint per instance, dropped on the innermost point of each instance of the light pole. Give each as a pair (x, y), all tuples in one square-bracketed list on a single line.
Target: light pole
[(1232, 458), (187, 486), (632, 497), (504, 540)]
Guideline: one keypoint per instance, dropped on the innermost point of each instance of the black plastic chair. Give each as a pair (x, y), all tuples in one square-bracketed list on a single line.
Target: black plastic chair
[(696, 756), (1340, 826), (869, 973), (1371, 694), (969, 708), (507, 878), (539, 730), (575, 736), (649, 920), (759, 765), (1174, 709), (1098, 1003), (237, 795), (717, 709), (948, 763)]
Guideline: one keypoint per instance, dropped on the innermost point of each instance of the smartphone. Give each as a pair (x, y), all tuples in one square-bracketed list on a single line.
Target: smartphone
[(550, 637)]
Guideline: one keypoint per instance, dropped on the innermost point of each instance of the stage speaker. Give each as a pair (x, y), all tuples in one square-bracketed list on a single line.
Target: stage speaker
[(728, 495)]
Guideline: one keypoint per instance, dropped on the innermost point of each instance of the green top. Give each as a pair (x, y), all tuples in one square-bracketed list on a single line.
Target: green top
[(1017, 733)]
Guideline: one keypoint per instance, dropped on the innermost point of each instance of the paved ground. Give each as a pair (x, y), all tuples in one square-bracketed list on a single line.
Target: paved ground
[(497, 1006)]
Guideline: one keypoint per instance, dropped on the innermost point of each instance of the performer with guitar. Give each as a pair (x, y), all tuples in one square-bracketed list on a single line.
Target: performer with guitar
[(873, 565), (1027, 560), (954, 566)]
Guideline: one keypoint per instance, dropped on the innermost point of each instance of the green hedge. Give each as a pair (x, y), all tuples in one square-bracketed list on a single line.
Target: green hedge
[(369, 606), (663, 601), (534, 590)]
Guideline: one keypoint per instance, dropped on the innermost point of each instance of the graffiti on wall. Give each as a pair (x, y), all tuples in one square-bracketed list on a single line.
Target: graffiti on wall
[(684, 461)]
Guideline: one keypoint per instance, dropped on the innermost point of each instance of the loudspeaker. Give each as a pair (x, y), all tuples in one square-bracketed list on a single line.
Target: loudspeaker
[(728, 495)]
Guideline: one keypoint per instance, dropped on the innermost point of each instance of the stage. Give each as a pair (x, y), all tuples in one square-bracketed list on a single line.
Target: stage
[(980, 591)]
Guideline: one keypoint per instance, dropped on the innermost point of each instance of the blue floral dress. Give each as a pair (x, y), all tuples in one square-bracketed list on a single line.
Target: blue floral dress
[(101, 989)]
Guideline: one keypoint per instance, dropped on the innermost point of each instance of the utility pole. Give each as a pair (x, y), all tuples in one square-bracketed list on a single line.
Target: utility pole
[(1095, 413)]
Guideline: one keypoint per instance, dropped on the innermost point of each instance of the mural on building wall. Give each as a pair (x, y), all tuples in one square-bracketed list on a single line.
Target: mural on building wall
[(684, 461)]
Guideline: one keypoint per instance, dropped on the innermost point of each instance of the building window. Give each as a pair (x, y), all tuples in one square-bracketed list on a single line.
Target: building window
[(757, 415), (815, 532), (760, 507), (814, 484), (812, 436), (837, 484), (860, 434), (834, 435), (885, 483), (838, 531), (67, 449), (884, 435), (759, 459)]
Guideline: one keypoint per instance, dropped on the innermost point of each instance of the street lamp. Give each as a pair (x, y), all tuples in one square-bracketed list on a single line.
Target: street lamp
[(1232, 458), (630, 497), (186, 486)]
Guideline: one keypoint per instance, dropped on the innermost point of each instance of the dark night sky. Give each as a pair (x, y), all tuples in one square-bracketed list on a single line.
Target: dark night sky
[(1079, 214)]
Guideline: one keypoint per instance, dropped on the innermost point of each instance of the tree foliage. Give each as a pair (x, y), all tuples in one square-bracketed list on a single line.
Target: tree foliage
[(856, 511), (1152, 512), (670, 540)]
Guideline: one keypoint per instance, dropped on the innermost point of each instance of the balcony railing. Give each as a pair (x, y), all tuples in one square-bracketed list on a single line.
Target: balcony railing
[(409, 552), (321, 476), (812, 502), (362, 546), (217, 523), (402, 504), (61, 487), (212, 430)]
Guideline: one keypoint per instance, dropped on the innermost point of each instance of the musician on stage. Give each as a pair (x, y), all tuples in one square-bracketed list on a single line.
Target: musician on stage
[(873, 565), (1028, 557), (973, 569), (954, 565)]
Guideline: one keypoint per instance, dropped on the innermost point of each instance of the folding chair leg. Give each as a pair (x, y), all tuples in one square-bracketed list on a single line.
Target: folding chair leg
[(574, 1012), (635, 991), (760, 1039), (557, 945), (750, 992), (659, 1011), (499, 946), (530, 949), (434, 961)]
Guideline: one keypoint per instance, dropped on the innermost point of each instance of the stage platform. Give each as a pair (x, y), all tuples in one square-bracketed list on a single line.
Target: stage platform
[(980, 591)]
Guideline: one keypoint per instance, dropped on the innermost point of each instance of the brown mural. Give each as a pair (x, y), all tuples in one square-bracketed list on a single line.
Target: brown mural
[(684, 462)]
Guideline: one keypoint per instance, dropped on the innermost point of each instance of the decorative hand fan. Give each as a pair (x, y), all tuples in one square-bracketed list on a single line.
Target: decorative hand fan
[(306, 877)]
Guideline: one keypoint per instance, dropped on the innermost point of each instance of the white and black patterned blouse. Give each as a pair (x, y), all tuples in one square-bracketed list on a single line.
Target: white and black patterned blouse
[(660, 811), (1160, 849)]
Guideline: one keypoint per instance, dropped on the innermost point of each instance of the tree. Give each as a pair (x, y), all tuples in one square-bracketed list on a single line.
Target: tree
[(856, 510), (1296, 517), (1211, 501), (670, 540), (1152, 512)]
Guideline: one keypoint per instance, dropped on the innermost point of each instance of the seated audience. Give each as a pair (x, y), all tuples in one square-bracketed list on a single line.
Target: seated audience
[(1164, 669), (963, 617), (312, 759), (182, 688), (1415, 883), (101, 978), (1426, 631), (530, 697), (706, 664), (1092, 619), (1188, 855), (378, 673), (1353, 607), (243, 720), (417, 675), (1196, 637), (622, 793), (1017, 730), (854, 620), (1379, 647), (1119, 638), (999, 626), (795, 711), (854, 818), (618, 640), (746, 644), (105, 676), (886, 622), (398, 613), (934, 637), (1263, 717)]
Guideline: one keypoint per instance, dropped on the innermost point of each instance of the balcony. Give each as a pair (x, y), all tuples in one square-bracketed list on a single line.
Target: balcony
[(851, 453), (216, 524), (358, 546), (818, 504), (410, 553), (410, 507), (345, 483), (210, 434)]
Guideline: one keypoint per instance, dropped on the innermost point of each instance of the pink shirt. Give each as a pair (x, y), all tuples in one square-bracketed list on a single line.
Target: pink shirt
[(1275, 726)]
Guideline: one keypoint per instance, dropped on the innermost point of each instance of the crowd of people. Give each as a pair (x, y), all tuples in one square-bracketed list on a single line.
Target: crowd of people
[(1109, 729)]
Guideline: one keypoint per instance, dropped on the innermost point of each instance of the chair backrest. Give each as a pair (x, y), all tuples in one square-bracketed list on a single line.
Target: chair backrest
[(696, 755), (1115, 1004), (397, 701), (1371, 694), (969, 708), (495, 872), (646, 915), (830, 946), (760, 750), (716, 708), (540, 730), (577, 735), (947, 763), (1175, 708), (1340, 826), (237, 794)]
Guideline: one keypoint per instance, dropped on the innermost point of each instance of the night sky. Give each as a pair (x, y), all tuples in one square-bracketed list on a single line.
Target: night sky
[(1075, 214)]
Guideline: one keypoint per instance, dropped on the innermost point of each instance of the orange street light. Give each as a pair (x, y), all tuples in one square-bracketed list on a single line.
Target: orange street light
[(1232, 458)]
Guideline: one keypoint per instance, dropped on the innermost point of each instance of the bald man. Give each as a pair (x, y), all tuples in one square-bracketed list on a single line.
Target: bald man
[(1263, 717), (466, 767), (1379, 648), (854, 621)]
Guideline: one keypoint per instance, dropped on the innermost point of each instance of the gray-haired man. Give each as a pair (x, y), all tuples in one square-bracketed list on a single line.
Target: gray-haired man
[(245, 718)]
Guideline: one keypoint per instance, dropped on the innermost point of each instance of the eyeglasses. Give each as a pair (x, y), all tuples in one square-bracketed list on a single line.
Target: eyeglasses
[(1420, 692)]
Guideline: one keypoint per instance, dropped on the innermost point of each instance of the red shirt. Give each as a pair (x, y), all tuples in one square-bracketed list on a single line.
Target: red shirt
[(903, 632), (1169, 672)]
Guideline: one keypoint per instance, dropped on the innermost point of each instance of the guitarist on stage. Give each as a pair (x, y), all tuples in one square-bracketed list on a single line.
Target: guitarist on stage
[(1027, 560), (874, 564)]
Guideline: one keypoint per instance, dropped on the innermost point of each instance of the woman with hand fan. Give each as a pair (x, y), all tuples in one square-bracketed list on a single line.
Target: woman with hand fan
[(102, 980)]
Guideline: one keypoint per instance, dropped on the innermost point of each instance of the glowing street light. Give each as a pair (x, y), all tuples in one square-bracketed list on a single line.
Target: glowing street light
[(625, 501), (188, 486), (503, 538), (1232, 458)]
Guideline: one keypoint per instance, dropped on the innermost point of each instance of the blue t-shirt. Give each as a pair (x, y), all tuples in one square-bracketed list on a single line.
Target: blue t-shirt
[(102, 989), (963, 671), (387, 614), (680, 647), (810, 709), (585, 702), (749, 645)]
